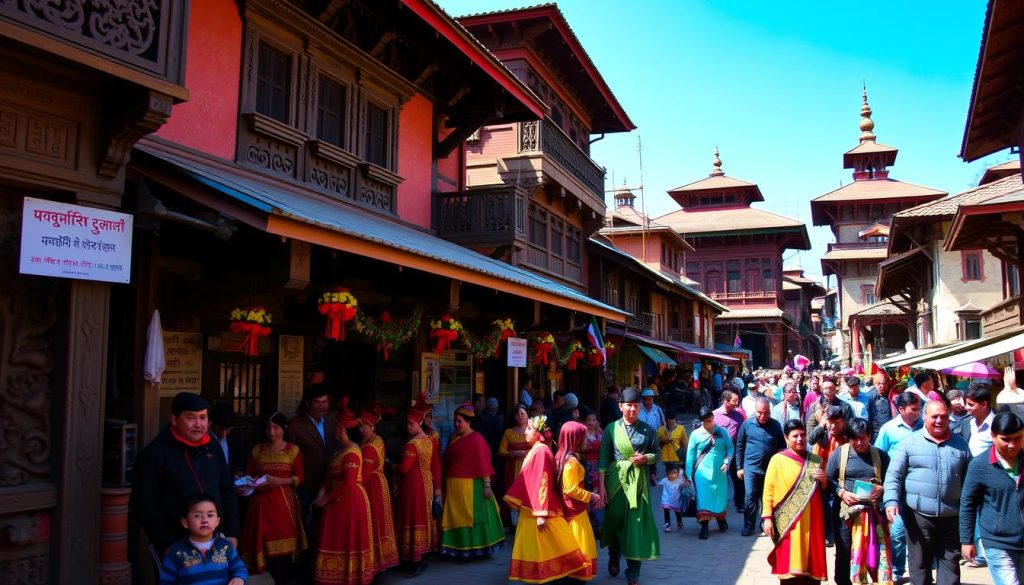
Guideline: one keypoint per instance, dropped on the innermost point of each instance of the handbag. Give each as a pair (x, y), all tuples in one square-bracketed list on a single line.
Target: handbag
[(688, 501), (436, 509)]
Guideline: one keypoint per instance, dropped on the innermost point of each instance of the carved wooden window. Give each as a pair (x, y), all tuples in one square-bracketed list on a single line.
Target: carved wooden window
[(573, 252), (1011, 280), (732, 276), (973, 267), (273, 82), (378, 131), (332, 111), (557, 237), (538, 226)]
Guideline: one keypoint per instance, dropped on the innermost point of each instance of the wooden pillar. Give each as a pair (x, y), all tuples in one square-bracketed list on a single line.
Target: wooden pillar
[(854, 344), (82, 443)]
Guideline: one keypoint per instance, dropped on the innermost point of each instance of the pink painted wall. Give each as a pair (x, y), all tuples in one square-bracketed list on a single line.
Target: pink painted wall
[(208, 121), (415, 160)]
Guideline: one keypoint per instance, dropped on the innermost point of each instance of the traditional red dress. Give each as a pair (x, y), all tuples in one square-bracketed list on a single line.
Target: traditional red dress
[(415, 525), (435, 528), (345, 554), (273, 524), (385, 551)]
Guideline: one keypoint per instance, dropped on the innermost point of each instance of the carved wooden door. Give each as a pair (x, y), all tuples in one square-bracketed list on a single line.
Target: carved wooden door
[(242, 383)]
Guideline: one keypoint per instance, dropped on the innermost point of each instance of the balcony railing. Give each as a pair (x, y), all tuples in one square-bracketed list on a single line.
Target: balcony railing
[(549, 140), (146, 35), (855, 245), (641, 322), (1001, 317), (493, 216), (752, 294)]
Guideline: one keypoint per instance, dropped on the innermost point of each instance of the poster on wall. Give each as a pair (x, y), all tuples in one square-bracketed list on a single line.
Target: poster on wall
[(72, 241), (183, 355), (290, 358), (430, 377), (516, 352)]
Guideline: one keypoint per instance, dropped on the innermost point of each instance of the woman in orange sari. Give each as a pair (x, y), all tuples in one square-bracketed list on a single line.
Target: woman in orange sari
[(512, 450), (792, 510), (417, 488), (272, 534), (385, 551), (344, 552)]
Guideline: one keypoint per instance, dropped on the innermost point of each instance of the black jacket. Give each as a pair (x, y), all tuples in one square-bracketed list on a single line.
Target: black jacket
[(167, 474)]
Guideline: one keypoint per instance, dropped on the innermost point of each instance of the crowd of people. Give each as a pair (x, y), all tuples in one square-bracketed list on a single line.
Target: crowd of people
[(895, 476)]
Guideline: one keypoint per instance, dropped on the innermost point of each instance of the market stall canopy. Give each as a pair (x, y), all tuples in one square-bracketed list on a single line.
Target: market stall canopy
[(656, 355), (980, 349), (700, 352), (306, 216), (921, 353)]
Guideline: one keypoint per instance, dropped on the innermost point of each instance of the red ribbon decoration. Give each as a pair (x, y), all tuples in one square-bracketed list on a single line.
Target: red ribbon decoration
[(594, 359), (505, 334), (542, 353), (444, 338), (574, 357), (250, 345), (337, 315)]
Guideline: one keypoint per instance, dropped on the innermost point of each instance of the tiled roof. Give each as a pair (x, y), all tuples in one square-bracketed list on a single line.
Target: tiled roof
[(877, 189), (946, 207), (870, 146), (714, 182), (734, 219), (878, 310), (856, 254)]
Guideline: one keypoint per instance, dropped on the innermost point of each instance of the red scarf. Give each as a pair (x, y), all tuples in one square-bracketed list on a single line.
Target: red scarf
[(183, 440)]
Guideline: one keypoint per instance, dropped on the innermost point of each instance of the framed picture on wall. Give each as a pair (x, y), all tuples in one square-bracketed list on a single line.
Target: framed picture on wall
[(430, 377)]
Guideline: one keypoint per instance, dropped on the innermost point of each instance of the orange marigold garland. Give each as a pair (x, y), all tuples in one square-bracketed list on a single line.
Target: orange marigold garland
[(339, 306), (445, 330), (253, 324), (543, 343)]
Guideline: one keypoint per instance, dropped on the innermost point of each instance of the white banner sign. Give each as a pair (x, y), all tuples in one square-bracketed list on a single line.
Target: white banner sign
[(71, 241), (516, 352)]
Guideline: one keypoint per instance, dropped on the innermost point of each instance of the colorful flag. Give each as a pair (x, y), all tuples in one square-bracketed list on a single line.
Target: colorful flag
[(597, 340)]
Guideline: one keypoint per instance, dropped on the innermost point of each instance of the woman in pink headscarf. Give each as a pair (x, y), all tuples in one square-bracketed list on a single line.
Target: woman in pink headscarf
[(575, 498)]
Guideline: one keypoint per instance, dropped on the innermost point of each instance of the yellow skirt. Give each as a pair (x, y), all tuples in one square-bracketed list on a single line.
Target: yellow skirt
[(584, 535), (539, 556)]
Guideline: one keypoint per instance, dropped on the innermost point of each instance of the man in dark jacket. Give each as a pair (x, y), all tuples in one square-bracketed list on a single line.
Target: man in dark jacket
[(759, 438), (181, 462), (992, 493)]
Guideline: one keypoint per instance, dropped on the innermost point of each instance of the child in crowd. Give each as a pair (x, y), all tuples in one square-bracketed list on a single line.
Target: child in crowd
[(672, 438), (204, 557), (671, 487)]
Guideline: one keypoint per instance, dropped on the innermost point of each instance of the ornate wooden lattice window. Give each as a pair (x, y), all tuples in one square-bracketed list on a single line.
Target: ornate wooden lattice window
[(273, 83), (378, 124), (572, 245), (538, 226), (332, 111)]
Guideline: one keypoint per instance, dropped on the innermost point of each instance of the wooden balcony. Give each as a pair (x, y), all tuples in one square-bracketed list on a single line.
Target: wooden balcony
[(545, 154), (122, 38), (1002, 317), (641, 322), (486, 217)]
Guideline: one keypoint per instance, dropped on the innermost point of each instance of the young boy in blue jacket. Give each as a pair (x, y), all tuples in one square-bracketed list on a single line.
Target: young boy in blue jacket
[(204, 557)]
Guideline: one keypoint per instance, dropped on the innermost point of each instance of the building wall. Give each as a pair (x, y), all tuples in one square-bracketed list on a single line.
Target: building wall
[(720, 255), (482, 155), (951, 292), (208, 121), (850, 291), (415, 161)]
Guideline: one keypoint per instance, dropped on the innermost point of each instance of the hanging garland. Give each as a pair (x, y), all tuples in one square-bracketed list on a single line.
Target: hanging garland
[(388, 333), (489, 344), (571, 355), (339, 306), (253, 324), (445, 330), (595, 359), (543, 344)]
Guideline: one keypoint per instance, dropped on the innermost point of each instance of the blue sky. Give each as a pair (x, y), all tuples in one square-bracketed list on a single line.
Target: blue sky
[(777, 86)]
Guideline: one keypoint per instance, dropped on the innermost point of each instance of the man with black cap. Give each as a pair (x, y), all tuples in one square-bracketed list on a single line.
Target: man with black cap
[(628, 451), (181, 462)]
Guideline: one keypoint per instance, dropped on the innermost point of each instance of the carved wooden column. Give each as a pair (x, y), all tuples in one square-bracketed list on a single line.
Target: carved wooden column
[(78, 538)]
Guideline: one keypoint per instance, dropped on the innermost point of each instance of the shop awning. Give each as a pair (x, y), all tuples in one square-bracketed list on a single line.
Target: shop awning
[(304, 215), (923, 353), (700, 352), (982, 349), (656, 355)]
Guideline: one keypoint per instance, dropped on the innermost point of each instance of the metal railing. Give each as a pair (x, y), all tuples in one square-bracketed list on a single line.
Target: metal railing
[(549, 140)]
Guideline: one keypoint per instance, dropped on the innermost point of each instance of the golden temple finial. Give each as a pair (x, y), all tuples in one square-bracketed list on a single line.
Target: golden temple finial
[(717, 163), (866, 125)]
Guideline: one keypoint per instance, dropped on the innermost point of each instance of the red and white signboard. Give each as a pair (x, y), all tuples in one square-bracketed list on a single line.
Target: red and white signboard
[(71, 241)]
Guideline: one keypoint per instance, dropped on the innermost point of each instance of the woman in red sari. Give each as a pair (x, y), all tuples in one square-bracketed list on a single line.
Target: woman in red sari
[(272, 534), (385, 551), (344, 553), (415, 523), (792, 513)]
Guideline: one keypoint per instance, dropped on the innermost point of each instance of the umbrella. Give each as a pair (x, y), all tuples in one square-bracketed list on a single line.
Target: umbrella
[(800, 362), (974, 370), (153, 364)]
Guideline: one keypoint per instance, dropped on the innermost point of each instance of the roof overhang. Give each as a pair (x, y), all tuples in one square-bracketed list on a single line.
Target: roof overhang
[(998, 95), (546, 27), (903, 277), (296, 213), (996, 227)]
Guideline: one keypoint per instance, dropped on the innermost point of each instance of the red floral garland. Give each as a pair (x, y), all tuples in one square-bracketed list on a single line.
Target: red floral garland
[(445, 331), (339, 306), (252, 324)]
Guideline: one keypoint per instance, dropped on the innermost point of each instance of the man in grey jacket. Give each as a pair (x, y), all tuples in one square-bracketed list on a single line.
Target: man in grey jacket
[(928, 468)]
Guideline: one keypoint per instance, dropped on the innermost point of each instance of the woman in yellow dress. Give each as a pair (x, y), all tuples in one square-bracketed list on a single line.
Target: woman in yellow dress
[(385, 547), (512, 450), (545, 548), (575, 498), (673, 440)]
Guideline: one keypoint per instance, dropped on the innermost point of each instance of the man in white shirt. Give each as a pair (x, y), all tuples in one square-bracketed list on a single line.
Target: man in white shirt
[(790, 406)]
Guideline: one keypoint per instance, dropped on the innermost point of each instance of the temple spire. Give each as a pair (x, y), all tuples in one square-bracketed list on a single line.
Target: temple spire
[(866, 124), (717, 164)]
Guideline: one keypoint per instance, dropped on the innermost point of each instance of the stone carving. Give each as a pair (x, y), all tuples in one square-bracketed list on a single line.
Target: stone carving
[(28, 314), (271, 155), (331, 179), (376, 194)]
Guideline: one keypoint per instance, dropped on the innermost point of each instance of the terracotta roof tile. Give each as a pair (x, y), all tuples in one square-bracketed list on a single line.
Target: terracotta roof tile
[(877, 189), (946, 207), (715, 182), (725, 220)]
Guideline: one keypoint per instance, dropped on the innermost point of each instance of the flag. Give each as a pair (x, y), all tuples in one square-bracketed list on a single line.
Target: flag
[(737, 343), (597, 340)]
